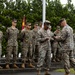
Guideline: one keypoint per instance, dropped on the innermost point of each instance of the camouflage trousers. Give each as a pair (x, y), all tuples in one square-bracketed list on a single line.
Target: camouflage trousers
[(44, 57), (68, 60), (35, 52), (26, 53), (0, 50), (11, 50)]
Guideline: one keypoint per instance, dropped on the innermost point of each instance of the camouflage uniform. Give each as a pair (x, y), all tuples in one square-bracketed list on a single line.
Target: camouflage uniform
[(26, 37), (35, 43), (67, 47), (44, 49), (56, 47), (12, 44), (74, 44), (1, 36)]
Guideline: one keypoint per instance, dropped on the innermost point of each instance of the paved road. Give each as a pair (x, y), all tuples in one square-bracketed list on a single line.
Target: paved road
[(34, 73)]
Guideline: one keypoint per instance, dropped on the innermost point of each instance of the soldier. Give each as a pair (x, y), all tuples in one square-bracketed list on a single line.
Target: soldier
[(12, 44), (35, 42), (56, 46), (44, 48), (51, 41), (26, 37), (74, 44), (67, 45), (40, 25), (1, 36)]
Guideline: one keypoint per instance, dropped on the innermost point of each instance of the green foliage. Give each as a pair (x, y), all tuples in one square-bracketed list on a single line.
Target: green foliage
[(32, 9), (62, 70)]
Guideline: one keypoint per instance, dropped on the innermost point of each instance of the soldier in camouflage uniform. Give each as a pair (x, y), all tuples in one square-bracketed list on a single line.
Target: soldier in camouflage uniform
[(44, 48), (1, 36), (51, 41), (12, 44), (74, 44), (67, 45), (35, 42), (26, 36), (56, 46)]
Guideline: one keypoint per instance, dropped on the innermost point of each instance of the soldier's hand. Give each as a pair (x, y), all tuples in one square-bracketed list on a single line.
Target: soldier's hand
[(47, 38), (57, 37)]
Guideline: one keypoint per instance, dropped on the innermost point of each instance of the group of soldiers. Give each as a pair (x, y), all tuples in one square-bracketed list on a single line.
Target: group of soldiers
[(39, 43)]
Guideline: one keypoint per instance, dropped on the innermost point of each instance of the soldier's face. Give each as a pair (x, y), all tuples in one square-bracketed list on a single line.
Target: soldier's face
[(29, 26), (46, 27), (14, 23), (35, 26), (63, 23)]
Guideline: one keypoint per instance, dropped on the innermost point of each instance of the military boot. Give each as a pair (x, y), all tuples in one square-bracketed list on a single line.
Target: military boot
[(38, 72), (7, 66), (67, 74), (1, 67), (31, 65), (23, 65), (47, 73), (53, 60), (15, 66)]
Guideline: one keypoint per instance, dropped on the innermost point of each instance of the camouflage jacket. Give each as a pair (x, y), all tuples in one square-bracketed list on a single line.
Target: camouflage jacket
[(35, 36), (66, 38), (1, 36), (26, 36), (12, 35), (43, 34)]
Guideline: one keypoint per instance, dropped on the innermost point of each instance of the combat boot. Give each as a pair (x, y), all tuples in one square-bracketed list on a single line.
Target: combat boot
[(67, 74), (7, 66), (47, 73), (15, 66), (38, 72), (1, 67), (53, 60), (31, 65), (23, 65)]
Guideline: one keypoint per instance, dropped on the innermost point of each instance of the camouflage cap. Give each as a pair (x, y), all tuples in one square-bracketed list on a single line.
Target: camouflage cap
[(47, 22), (28, 24), (36, 24)]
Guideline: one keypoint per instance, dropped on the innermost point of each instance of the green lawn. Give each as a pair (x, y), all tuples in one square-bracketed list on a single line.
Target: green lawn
[(62, 70)]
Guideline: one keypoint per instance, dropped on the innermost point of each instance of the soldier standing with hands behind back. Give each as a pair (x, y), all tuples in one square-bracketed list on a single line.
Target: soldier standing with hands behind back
[(12, 44)]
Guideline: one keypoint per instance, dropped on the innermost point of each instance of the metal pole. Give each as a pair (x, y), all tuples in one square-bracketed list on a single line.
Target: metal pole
[(44, 12)]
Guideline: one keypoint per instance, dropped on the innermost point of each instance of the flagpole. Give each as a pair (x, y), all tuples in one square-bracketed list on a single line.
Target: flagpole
[(44, 12)]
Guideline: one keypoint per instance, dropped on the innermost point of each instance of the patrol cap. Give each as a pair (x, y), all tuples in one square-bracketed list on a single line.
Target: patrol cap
[(36, 24), (47, 23), (61, 20), (14, 20), (28, 24)]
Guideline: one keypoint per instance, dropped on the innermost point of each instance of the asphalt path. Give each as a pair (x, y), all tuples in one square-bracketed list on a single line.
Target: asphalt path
[(34, 73)]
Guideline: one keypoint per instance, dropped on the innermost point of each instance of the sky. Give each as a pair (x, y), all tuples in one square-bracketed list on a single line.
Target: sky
[(65, 1)]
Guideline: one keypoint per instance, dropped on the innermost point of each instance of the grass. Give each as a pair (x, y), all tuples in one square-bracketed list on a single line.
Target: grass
[(62, 70)]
